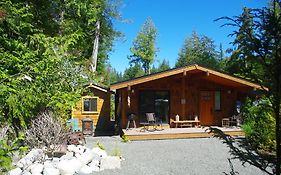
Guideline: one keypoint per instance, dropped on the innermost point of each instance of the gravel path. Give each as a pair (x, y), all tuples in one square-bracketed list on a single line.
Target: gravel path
[(168, 157)]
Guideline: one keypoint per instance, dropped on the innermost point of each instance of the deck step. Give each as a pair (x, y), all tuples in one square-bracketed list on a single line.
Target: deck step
[(179, 133)]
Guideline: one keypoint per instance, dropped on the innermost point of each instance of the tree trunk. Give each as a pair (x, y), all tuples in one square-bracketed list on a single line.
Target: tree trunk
[(93, 59), (277, 130)]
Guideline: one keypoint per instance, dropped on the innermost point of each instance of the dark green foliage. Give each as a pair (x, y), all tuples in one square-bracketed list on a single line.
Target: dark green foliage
[(259, 123), (8, 147), (164, 65), (114, 75), (45, 47), (198, 49), (258, 56), (133, 72)]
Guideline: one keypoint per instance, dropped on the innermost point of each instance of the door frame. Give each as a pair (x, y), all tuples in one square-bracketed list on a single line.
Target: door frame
[(211, 101)]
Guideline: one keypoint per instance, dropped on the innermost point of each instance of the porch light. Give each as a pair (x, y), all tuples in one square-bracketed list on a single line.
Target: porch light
[(183, 101)]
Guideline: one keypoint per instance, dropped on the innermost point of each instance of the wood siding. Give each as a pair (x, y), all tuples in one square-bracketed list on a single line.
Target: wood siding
[(184, 92), (101, 118)]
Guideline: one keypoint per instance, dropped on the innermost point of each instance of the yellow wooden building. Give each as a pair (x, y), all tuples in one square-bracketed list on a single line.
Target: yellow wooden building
[(94, 105)]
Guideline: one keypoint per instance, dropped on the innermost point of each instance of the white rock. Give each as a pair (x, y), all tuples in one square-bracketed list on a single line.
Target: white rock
[(95, 169), (19, 165), (94, 163), (26, 173), (37, 168), (32, 156), (48, 164), (85, 170), (81, 149), (100, 152), (65, 168), (16, 171), (69, 166), (67, 156), (94, 166), (51, 171), (87, 157), (110, 162), (71, 148)]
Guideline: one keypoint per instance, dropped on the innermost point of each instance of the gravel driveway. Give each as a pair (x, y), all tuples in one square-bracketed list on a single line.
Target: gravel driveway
[(177, 156)]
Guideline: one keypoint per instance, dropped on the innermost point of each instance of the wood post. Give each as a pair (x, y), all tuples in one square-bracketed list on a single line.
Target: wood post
[(124, 107), (183, 96)]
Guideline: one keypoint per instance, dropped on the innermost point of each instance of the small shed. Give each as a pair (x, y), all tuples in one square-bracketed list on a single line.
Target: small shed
[(94, 105)]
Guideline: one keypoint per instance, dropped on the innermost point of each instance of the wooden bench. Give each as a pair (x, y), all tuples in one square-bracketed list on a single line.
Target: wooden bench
[(188, 123)]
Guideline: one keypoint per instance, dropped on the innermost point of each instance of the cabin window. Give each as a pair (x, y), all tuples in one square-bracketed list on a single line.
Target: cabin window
[(157, 102), (217, 100), (89, 104)]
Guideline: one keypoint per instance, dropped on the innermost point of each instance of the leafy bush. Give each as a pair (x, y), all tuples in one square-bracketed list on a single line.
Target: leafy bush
[(259, 123), (8, 147)]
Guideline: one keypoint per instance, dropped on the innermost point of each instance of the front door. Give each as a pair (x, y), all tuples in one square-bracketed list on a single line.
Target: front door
[(206, 108)]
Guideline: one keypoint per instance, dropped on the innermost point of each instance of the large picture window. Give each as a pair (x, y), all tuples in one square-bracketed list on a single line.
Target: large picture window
[(156, 102), (89, 104)]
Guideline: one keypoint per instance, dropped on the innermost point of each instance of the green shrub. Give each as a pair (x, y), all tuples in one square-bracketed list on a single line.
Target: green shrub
[(259, 123), (100, 145), (125, 139), (116, 152), (7, 148)]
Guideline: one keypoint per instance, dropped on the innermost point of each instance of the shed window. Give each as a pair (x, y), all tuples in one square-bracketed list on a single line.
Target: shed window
[(217, 100), (90, 104)]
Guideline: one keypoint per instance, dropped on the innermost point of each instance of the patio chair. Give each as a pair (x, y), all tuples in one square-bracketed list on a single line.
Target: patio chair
[(235, 120), (151, 120)]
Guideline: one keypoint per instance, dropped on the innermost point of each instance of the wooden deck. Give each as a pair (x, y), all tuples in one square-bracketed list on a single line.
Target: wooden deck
[(177, 133)]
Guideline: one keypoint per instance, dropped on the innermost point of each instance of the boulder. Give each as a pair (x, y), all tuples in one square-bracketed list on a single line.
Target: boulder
[(94, 165), (67, 156), (87, 157), (69, 166), (51, 171), (110, 162), (26, 173), (16, 171), (101, 153), (85, 170), (32, 156), (37, 168), (71, 148)]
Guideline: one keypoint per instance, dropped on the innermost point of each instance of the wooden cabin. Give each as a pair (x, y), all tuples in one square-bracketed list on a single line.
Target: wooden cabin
[(188, 91), (94, 105)]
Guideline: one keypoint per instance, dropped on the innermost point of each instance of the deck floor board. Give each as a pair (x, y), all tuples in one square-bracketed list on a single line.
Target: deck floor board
[(178, 133)]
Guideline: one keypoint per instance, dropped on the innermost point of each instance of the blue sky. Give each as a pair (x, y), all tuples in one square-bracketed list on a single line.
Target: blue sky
[(175, 20)]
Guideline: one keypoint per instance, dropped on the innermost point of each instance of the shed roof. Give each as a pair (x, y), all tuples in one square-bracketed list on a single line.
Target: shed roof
[(224, 77)]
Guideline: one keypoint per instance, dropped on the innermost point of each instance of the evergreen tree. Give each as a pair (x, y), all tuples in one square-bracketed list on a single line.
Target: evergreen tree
[(164, 65), (258, 52), (133, 71), (144, 49), (198, 50)]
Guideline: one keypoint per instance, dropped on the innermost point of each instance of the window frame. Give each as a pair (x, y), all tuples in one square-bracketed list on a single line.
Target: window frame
[(215, 106), (89, 112)]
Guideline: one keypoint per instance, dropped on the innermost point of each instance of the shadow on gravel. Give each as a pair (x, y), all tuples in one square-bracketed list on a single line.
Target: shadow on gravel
[(240, 149)]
